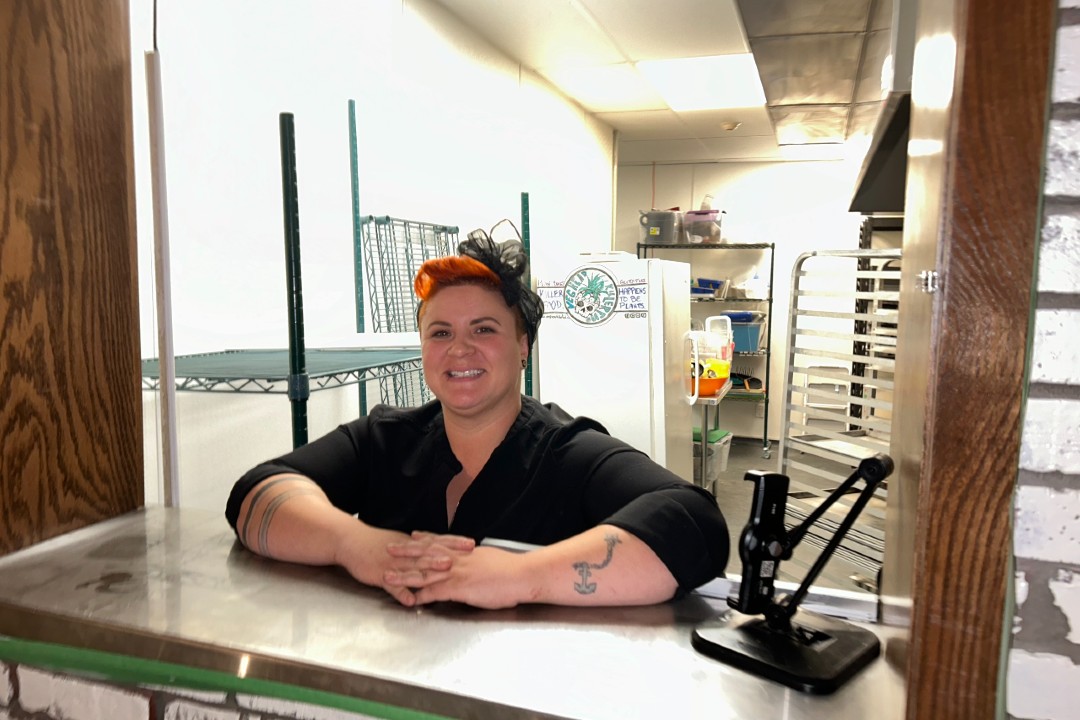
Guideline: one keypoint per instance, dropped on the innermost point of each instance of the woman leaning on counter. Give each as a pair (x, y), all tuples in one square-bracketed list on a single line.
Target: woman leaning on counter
[(401, 497)]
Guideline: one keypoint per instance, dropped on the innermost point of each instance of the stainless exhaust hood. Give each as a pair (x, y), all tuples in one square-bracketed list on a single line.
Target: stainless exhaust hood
[(837, 71)]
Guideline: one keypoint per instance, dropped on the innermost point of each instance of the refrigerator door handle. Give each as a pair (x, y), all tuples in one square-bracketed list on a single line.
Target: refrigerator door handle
[(694, 374)]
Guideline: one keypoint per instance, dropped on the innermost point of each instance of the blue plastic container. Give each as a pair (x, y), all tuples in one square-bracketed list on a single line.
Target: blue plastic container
[(747, 336)]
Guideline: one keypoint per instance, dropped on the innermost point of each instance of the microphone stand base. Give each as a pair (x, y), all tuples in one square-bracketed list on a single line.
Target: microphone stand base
[(817, 655)]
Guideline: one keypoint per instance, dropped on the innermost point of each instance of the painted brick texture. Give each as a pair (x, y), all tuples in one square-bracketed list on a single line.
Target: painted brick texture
[(288, 710), (1050, 442), (1043, 671), (29, 693), (1059, 255), (6, 689), (62, 696), (187, 710), (1056, 353)]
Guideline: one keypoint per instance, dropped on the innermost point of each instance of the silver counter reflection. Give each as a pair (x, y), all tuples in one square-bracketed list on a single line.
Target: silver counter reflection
[(172, 585)]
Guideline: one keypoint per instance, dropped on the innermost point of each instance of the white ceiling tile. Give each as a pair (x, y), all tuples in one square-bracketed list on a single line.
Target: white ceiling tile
[(646, 125), (709, 123), (695, 151), (754, 147), (662, 151)]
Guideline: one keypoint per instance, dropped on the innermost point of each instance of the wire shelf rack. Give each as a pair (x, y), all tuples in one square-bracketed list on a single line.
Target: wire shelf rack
[(393, 250)]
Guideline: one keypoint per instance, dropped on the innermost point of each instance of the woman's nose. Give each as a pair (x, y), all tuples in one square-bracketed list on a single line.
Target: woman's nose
[(461, 345)]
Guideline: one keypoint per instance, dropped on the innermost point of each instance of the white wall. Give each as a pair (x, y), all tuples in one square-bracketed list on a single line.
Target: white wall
[(449, 131), (799, 206)]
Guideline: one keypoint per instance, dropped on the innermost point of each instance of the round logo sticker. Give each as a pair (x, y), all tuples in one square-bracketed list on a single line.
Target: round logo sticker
[(590, 296)]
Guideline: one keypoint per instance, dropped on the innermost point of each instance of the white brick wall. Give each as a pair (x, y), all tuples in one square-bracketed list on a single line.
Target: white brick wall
[(1042, 686), (1050, 441), (299, 711), (5, 685), (62, 696), (1056, 352), (1063, 157), (1066, 592), (46, 695), (1067, 66), (1059, 254), (187, 710), (199, 696), (1046, 527), (1043, 677)]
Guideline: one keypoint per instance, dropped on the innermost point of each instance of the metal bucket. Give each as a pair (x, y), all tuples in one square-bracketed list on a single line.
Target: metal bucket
[(661, 226)]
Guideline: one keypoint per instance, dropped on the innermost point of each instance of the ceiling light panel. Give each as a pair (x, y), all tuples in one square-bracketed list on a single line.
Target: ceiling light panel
[(651, 30), (538, 34), (705, 83), (605, 88)]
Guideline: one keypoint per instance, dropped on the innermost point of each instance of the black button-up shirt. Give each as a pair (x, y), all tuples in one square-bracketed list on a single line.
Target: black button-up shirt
[(551, 478)]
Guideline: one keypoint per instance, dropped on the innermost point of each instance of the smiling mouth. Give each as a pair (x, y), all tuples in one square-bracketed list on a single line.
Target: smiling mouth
[(465, 373)]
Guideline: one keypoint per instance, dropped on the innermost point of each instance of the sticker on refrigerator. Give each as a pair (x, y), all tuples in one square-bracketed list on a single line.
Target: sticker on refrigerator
[(590, 296)]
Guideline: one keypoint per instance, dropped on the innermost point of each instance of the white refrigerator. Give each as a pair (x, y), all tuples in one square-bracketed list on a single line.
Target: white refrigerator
[(613, 346)]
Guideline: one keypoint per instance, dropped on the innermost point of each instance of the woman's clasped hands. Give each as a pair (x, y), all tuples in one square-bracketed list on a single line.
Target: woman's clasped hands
[(429, 567)]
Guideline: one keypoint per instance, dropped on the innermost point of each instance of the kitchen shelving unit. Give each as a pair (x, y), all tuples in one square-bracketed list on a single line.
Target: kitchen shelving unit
[(393, 249), (763, 354)]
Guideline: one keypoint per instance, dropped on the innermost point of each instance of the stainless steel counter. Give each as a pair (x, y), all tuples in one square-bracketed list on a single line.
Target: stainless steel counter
[(172, 585)]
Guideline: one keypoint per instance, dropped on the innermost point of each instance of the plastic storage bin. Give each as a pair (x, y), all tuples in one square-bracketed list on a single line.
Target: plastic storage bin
[(718, 449), (700, 226), (748, 336)]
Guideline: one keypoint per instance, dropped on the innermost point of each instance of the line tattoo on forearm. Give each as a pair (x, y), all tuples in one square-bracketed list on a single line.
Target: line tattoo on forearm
[(584, 569)]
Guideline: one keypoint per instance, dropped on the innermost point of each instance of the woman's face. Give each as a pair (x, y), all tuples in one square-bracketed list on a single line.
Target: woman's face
[(471, 349)]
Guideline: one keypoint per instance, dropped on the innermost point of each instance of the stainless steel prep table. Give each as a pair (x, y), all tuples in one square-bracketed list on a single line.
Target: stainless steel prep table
[(171, 585)]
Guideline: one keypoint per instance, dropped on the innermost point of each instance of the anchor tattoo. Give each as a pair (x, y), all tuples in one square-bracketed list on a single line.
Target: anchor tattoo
[(585, 568)]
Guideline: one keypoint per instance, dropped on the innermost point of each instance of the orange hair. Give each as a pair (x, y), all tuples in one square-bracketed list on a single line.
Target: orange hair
[(452, 270)]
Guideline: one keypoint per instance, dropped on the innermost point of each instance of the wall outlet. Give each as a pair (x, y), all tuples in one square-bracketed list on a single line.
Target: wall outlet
[(759, 409)]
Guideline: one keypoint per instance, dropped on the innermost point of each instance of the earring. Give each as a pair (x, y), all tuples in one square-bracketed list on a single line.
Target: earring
[(524, 362)]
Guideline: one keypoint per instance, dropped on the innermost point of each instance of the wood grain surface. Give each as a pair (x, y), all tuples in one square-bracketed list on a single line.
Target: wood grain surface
[(987, 226), (70, 425)]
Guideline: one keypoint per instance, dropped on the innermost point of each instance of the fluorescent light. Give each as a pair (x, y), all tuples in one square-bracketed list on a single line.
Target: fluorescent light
[(718, 82), (605, 88)]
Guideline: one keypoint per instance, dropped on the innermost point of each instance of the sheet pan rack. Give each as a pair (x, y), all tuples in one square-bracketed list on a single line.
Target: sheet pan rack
[(838, 388)]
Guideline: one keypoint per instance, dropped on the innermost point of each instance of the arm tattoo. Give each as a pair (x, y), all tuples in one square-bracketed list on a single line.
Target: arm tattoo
[(255, 501), (268, 515), (584, 568)]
